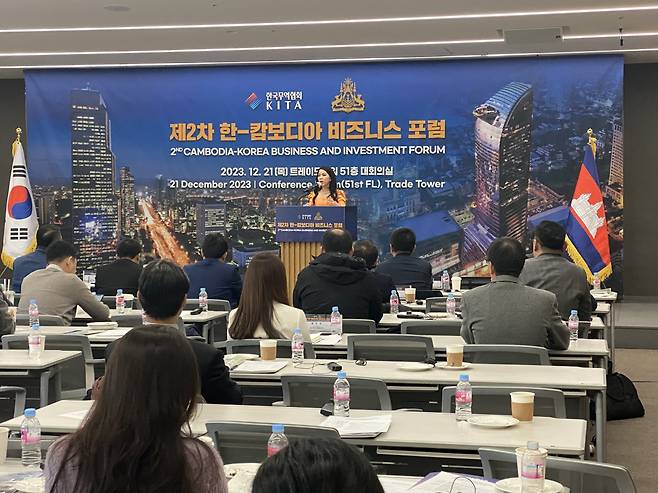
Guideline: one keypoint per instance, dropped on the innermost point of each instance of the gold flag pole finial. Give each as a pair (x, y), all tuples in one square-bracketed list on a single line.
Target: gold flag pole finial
[(19, 131), (591, 139)]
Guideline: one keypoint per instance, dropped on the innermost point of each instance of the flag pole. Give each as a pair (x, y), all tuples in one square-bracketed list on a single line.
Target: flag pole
[(14, 145)]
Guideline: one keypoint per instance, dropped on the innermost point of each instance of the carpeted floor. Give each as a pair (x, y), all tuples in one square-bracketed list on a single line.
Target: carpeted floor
[(631, 442)]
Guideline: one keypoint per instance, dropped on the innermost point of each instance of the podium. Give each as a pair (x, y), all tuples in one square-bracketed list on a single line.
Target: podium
[(299, 232)]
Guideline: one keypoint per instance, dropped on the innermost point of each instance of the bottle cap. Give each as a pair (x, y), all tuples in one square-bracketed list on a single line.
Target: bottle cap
[(33, 302), (297, 331), (393, 291), (119, 291), (334, 308), (463, 377), (35, 326), (574, 312), (277, 428), (341, 374), (30, 412), (533, 446), (203, 290), (451, 295)]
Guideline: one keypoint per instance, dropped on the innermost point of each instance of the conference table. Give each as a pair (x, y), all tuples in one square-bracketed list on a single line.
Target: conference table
[(594, 351), (411, 434), (16, 365), (570, 379), (609, 298)]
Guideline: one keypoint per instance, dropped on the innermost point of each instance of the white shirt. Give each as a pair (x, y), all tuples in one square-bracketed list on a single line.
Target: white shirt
[(285, 319)]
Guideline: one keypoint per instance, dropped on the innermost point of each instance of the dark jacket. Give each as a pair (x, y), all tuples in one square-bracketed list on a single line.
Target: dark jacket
[(25, 265), (336, 279), (216, 384), (123, 274), (385, 285), (221, 280), (407, 271)]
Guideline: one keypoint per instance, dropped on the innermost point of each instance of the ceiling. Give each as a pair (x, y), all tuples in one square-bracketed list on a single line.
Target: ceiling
[(48, 33)]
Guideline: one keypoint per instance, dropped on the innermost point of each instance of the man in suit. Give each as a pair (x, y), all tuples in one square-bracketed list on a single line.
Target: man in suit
[(26, 264), (405, 269), (123, 273), (549, 270), (507, 312), (221, 279), (162, 292), (336, 278), (366, 250), (57, 290)]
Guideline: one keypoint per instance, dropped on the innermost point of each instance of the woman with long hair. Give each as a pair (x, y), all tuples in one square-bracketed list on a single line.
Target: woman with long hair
[(318, 465), (137, 437), (264, 310), (325, 192)]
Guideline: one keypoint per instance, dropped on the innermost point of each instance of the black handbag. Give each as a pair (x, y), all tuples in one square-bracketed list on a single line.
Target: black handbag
[(623, 400)]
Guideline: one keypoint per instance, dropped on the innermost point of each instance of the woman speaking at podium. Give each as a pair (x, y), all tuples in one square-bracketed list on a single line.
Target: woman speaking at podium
[(325, 192)]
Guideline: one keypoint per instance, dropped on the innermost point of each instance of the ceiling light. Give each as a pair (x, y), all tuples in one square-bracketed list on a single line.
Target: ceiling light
[(117, 8), (608, 35), (482, 15)]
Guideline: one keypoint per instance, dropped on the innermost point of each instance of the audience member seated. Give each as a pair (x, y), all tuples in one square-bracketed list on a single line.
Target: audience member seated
[(7, 316), (26, 264), (366, 250), (221, 279), (162, 289), (123, 273), (57, 290), (507, 312), (335, 278), (136, 437), (317, 465), (264, 311), (549, 270), (405, 269)]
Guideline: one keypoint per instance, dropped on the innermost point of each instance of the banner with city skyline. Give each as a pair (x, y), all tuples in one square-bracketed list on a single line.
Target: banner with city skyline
[(460, 151)]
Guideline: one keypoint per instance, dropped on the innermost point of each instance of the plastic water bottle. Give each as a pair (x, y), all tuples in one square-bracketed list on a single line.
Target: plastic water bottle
[(451, 304), (533, 469), (31, 439), (33, 312), (297, 344), (35, 342), (203, 299), (342, 395), (573, 325), (463, 398), (596, 282), (120, 301), (445, 281), (336, 321), (277, 440), (395, 302)]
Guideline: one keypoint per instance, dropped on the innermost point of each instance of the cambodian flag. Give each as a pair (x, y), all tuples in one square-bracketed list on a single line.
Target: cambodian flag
[(587, 229), (21, 221)]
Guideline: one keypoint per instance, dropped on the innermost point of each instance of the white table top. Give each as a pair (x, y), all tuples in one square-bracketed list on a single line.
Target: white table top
[(186, 315), (604, 295), (408, 429), (560, 377), (54, 330), (390, 320), (581, 347), (602, 308), (18, 359)]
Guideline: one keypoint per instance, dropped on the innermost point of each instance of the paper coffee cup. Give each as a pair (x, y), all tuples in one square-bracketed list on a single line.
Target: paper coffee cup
[(455, 354), (268, 349), (410, 294), (523, 405), (4, 438), (456, 283)]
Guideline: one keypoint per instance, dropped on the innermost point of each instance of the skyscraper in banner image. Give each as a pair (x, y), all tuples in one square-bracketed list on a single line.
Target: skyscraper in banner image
[(128, 220), (588, 243), (502, 168), (21, 221), (94, 209)]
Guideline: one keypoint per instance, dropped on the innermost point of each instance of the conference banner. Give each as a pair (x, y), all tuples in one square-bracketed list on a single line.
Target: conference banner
[(462, 152)]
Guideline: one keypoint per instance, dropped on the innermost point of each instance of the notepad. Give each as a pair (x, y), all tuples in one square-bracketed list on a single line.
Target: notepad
[(366, 427), (259, 366), (444, 482)]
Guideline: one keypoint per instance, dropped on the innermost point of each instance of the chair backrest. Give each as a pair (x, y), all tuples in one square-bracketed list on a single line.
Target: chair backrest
[(111, 302), (247, 442), (44, 320), (252, 346), (317, 390), (441, 327), (359, 326), (128, 319), (438, 304), (497, 400), (213, 305), (78, 373), (583, 329), (506, 354), (15, 397), (579, 476), (389, 347)]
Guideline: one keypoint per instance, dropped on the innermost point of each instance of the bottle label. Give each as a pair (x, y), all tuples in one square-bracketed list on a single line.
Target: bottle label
[(533, 470), (463, 397), (341, 395), (273, 449), (29, 438), (297, 346), (573, 325), (34, 342)]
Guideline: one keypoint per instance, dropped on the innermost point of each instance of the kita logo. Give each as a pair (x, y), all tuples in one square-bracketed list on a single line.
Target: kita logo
[(253, 101)]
